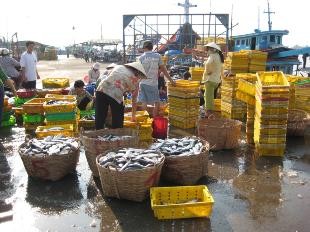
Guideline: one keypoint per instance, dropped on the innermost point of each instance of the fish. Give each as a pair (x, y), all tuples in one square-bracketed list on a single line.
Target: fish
[(130, 159), (181, 147), (50, 145)]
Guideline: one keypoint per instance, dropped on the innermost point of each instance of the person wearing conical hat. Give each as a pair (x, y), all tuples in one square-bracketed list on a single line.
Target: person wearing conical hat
[(212, 75), (94, 73), (110, 91)]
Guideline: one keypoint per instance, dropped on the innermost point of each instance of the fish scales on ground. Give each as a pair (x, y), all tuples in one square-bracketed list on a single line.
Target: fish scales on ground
[(182, 147), (130, 159), (50, 145)]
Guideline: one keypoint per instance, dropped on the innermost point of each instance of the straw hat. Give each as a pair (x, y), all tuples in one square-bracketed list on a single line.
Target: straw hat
[(138, 66), (111, 66), (213, 45), (96, 65)]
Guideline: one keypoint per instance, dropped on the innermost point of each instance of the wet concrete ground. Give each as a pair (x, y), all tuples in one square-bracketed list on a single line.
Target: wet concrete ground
[(250, 193)]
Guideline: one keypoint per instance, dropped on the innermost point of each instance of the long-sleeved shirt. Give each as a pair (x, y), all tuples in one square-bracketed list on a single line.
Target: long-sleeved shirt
[(213, 68), (3, 77), (93, 75), (9, 65), (120, 80)]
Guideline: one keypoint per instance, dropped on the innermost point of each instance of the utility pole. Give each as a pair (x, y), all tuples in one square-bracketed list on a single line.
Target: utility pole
[(186, 5), (73, 28), (269, 13), (101, 31)]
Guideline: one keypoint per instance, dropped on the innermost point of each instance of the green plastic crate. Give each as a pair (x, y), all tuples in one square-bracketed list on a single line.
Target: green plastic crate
[(6, 115), (33, 118), (66, 116)]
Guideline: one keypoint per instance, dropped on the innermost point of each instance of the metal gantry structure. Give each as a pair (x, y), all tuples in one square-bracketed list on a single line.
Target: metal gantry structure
[(171, 31)]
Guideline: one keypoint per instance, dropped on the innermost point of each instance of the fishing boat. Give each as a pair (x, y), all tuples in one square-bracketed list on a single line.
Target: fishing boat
[(280, 57)]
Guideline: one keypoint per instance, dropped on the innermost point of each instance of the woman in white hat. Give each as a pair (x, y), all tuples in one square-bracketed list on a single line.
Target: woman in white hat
[(105, 73), (110, 91), (94, 73), (212, 75), (10, 67)]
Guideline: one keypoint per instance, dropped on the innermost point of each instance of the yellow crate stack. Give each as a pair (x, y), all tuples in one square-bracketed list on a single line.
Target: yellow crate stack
[(237, 62), (302, 95), (59, 115), (183, 100), (250, 124), (245, 61), (230, 106), (292, 81), (257, 60), (271, 113), (33, 113), (143, 125), (196, 73)]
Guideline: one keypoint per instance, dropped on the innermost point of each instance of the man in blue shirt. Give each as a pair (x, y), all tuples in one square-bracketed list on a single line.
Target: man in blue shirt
[(148, 89)]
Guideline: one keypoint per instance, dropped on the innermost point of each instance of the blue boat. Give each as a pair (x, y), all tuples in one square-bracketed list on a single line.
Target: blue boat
[(280, 57)]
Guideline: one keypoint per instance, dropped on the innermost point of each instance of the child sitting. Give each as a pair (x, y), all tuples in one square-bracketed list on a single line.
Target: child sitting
[(82, 96)]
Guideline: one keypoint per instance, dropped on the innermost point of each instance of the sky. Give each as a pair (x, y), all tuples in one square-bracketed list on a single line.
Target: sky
[(52, 21)]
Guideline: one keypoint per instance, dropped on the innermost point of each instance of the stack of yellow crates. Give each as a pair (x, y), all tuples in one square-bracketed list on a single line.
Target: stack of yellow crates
[(246, 93), (230, 106), (143, 125), (183, 101), (245, 61), (271, 113), (302, 95), (250, 124), (196, 73), (292, 81), (257, 60), (64, 111), (33, 113), (237, 62)]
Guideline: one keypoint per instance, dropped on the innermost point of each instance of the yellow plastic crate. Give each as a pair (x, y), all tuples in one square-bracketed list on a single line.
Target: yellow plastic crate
[(60, 97), (42, 131), (56, 108), (34, 106), (183, 123), (247, 84), (242, 96), (59, 82), (181, 112), (186, 84), (141, 116), (272, 81), (182, 94), (270, 149), (180, 202), (183, 102), (269, 139)]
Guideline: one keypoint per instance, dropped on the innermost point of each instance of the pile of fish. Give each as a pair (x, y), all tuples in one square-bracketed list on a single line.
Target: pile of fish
[(56, 128), (130, 159), (113, 138), (88, 117), (182, 147), (58, 102), (50, 145)]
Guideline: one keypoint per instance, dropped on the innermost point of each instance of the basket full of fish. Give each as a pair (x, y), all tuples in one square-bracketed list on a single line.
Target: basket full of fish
[(186, 159), (50, 158), (128, 173), (99, 141)]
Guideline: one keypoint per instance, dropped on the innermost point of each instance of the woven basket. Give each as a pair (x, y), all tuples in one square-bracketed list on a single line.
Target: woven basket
[(298, 120), (186, 170), (221, 133), (50, 167), (93, 146), (131, 185), (91, 160)]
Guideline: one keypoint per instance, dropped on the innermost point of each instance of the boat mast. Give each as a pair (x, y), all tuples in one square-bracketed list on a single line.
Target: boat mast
[(186, 5), (269, 13)]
